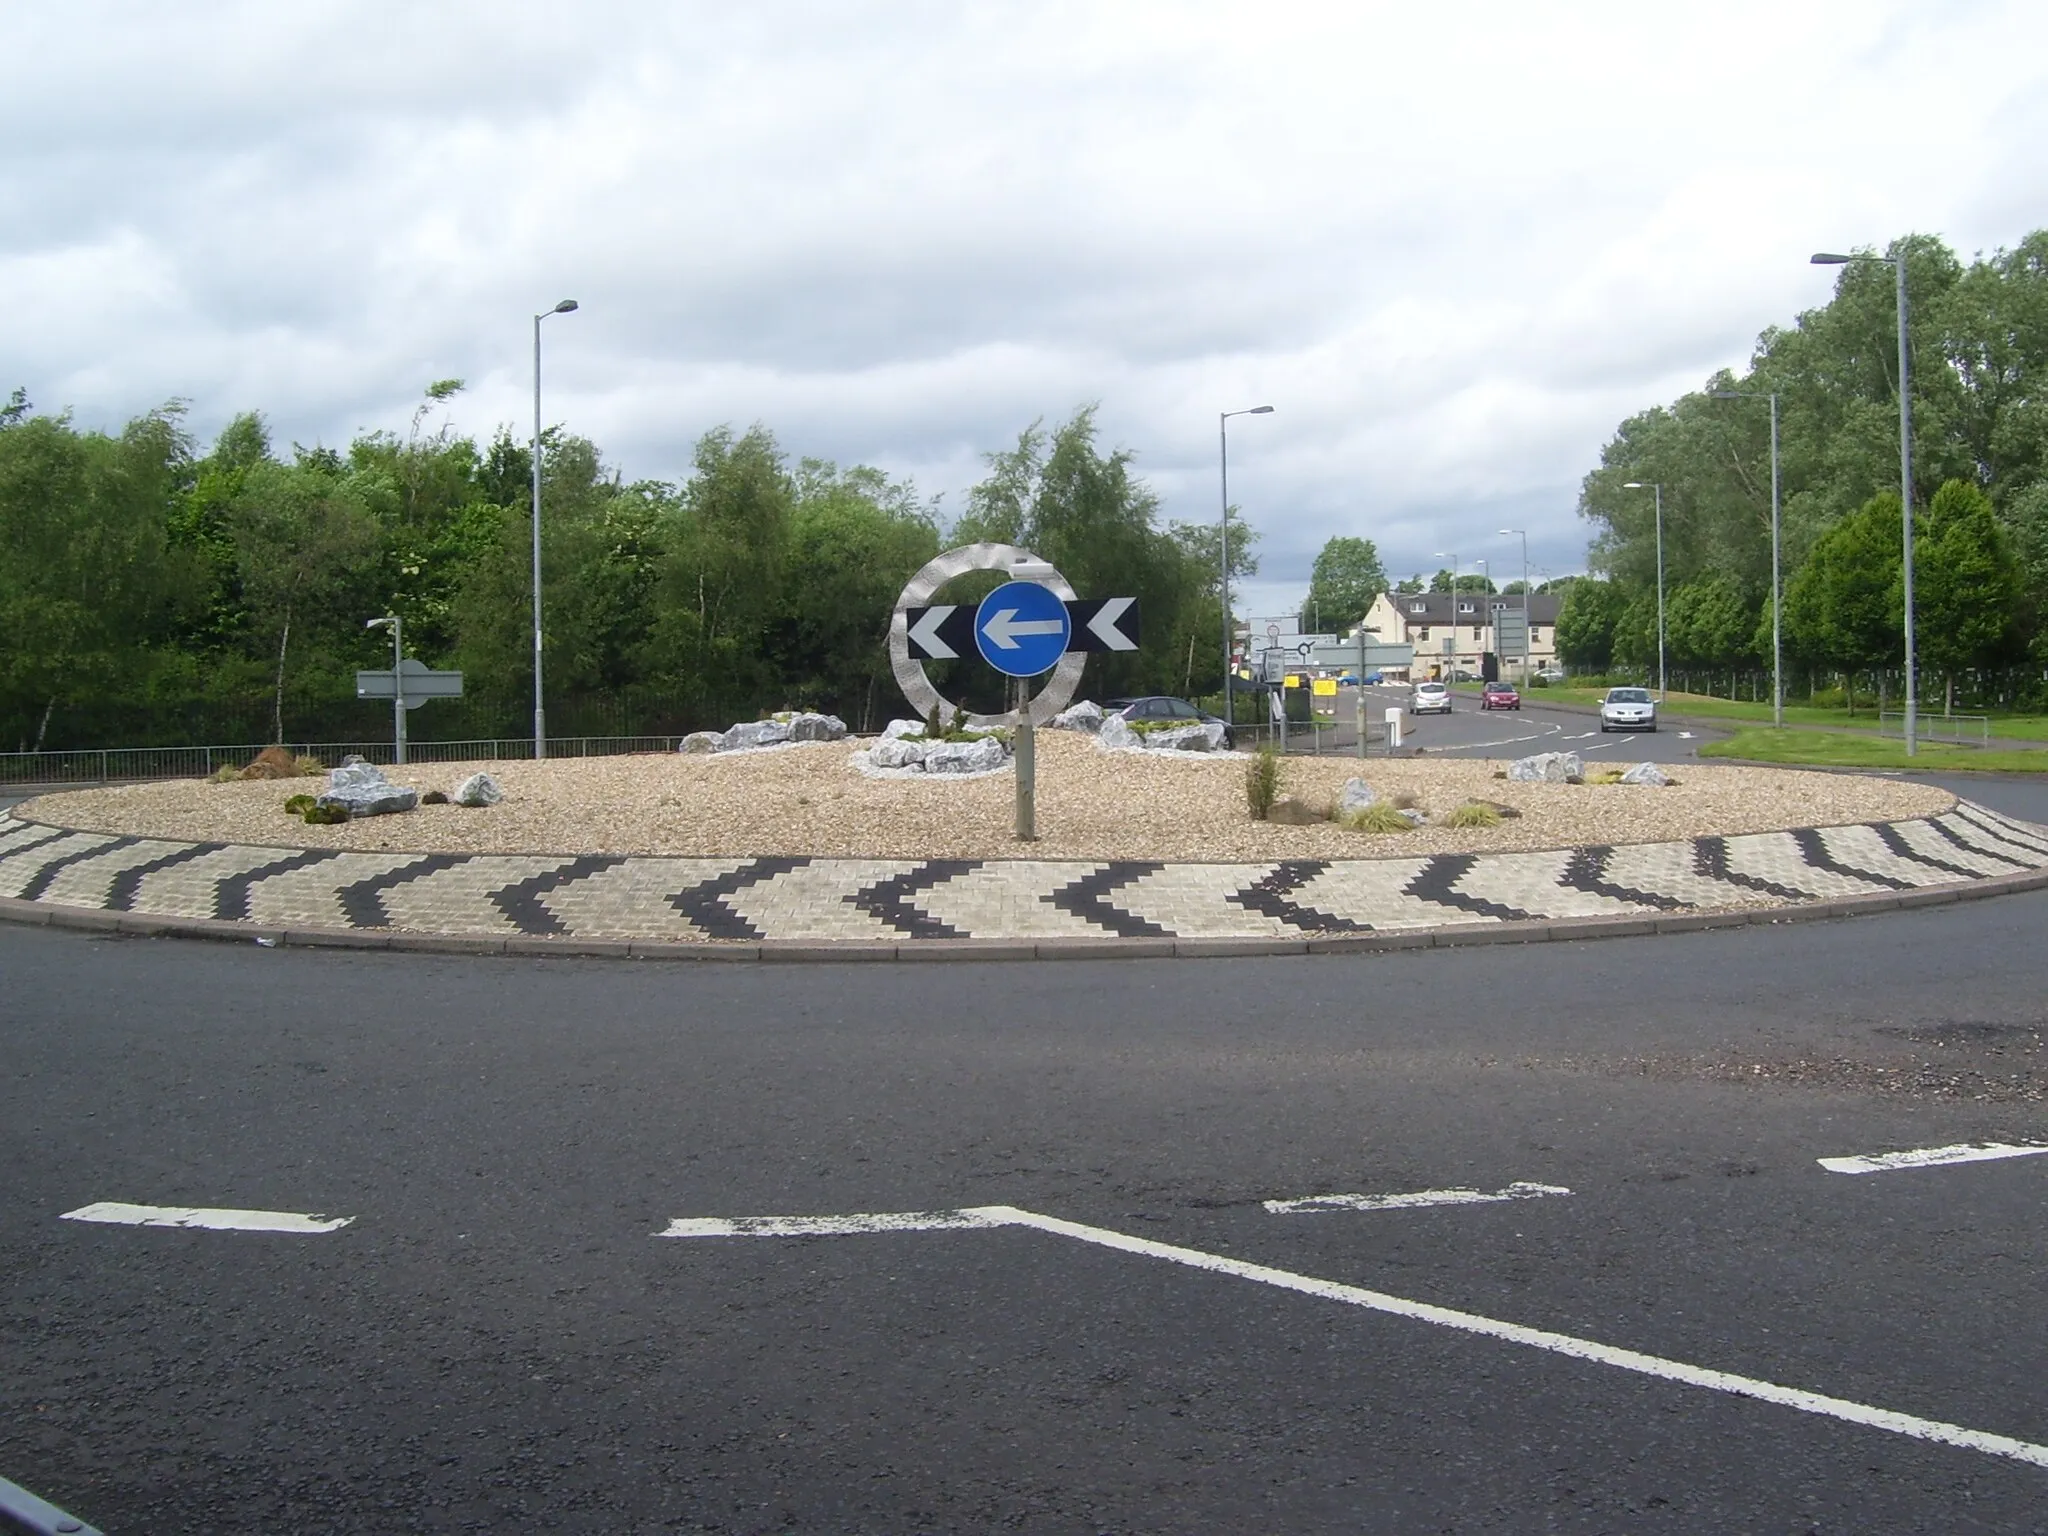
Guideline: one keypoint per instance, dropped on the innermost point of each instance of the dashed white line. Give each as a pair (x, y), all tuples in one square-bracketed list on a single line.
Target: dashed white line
[(118, 1214), (824, 1226), (1657, 1366), (1421, 1197), (1932, 1157)]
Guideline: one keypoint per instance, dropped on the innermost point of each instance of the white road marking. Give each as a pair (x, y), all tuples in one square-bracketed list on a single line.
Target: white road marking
[(824, 1226), (118, 1214), (1685, 735), (1932, 1157), (1378, 1301), (1516, 1191)]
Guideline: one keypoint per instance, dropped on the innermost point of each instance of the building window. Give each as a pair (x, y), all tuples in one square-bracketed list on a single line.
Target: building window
[(1478, 630), (1422, 633), (1418, 607)]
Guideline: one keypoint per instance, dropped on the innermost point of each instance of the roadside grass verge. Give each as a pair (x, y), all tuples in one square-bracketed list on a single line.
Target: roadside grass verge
[(1834, 749)]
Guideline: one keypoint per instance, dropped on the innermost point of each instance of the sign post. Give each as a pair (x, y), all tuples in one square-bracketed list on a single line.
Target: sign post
[(1022, 629), (407, 685)]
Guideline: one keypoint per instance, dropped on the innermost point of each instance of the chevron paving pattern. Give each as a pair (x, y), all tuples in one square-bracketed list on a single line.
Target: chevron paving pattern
[(608, 896)]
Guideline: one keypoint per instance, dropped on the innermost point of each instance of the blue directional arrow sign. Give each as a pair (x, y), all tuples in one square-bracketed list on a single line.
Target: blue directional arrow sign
[(1021, 629)]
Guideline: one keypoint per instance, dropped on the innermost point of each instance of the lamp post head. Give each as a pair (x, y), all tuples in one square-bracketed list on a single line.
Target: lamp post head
[(1260, 410), (567, 306), (1829, 259), (379, 623), (1638, 485)]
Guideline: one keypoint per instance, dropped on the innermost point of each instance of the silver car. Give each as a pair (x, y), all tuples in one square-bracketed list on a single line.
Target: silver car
[(1628, 709), (1429, 698)]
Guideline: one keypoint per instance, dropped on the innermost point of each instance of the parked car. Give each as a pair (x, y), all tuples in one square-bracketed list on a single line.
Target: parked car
[(1628, 709), (1163, 710), (1429, 699), (1550, 672), (1499, 696), (1347, 680)]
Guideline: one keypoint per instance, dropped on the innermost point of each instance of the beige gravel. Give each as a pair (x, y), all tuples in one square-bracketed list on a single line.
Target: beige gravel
[(1091, 804)]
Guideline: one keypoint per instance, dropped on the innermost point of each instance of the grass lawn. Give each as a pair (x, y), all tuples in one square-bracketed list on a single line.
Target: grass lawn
[(1833, 749)]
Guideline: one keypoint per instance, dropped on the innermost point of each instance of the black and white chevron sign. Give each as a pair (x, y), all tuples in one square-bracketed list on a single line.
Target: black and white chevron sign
[(945, 631)]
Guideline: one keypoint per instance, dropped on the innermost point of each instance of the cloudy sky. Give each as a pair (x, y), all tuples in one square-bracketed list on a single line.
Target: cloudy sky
[(1452, 245)]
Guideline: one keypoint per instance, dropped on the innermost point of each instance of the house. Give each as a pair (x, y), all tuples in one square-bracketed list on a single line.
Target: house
[(1454, 630)]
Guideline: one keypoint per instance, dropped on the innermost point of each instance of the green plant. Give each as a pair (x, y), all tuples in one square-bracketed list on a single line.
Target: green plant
[(1827, 698), (311, 767), (1605, 776), (1473, 814), (226, 774), (333, 814), (1262, 782), (1380, 816), (298, 805), (434, 797)]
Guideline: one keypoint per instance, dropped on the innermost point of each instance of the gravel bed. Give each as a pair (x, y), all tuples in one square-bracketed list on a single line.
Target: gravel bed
[(809, 799)]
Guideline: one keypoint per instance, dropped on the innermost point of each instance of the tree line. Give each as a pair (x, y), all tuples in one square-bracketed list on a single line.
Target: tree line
[(1978, 367), (152, 592)]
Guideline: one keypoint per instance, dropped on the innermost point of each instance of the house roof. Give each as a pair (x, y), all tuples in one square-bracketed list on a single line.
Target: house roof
[(1436, 606)]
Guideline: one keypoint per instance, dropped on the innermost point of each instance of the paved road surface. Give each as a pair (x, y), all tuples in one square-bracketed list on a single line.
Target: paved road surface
[(500, 1341), (1469, 731)]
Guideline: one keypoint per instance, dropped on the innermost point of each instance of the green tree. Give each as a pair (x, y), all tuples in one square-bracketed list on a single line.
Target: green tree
[(1586, 623), (1709, 624), (1966, 585), (1345, 581), (1842, 609)]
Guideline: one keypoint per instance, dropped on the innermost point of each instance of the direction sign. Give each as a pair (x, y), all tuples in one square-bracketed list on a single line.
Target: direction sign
[(941, 632), (1103, 624), (945, 631), (421, 684), (1021, 629)]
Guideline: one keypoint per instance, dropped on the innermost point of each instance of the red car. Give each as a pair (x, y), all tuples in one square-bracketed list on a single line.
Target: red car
[(1499, 696)]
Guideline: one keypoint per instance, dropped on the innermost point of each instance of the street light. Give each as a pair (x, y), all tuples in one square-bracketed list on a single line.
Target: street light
[(540, 729), (392, 622), (1508, 533), (1777, 644), (1223, 459), (1639, 485), (1452, 665), (1898, 266)]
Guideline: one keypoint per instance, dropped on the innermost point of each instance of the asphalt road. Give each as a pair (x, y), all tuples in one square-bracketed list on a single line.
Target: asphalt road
[(500, 1341), (1469, 731)]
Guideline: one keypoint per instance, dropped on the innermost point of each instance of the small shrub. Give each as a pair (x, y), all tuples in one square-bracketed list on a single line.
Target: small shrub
[(1473, 814), (298, 805), (1380, 816), (1262, 782), (1606, 776), (1500, 773), (318, 815), (311, 767), (226, 774), (1828, 698), (434, 797), (1403, 800)]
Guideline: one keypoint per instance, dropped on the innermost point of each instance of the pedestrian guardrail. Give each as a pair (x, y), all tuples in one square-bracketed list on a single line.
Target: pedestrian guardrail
[(108, 765), (1963, 730), (21, 1511)]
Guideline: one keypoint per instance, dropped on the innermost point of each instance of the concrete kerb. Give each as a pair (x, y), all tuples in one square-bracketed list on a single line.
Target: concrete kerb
[(1453, 936)]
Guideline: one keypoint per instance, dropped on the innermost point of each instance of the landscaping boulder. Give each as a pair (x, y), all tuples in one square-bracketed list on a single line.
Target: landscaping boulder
[(902, 730), (479, 789), (362, 790), (1084, 716), (1356, 796), (1548, 768), (812, 727), (964, 756), (1116, 735), (753, 733), (1646, 773), (271, 763), (1290, 812), (1184, 738), (700, 741), (896, 752)]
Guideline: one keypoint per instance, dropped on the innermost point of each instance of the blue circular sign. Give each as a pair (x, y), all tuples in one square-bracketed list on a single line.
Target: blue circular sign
[(1021, 629)]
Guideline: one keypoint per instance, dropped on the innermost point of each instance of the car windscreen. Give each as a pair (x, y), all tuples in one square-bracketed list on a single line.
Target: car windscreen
[(1629, 696)]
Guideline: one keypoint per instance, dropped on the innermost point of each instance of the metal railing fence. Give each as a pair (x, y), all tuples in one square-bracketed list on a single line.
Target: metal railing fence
[(107, 765), (1963, 730)]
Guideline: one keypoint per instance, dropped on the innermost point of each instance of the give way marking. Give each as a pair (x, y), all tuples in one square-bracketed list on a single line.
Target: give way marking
[(1421, 1197), (1932, 1157), (114, 1212), (985, 1216)]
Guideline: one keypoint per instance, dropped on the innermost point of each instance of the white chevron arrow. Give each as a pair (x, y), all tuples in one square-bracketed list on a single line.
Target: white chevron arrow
[(1104, 625), (1004, 626), (925, 632)]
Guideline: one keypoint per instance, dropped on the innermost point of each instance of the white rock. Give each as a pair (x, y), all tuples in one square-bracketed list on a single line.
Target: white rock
[(813, 727), (1547, 767), (1116, 735), (981, 756), (1184, 738), (894, 752), (753, 733), (1415, 817), (1646, 773), (478, 789), (1357, 796), (363, 788), (1084, 716), (899, 730), (700, 741)]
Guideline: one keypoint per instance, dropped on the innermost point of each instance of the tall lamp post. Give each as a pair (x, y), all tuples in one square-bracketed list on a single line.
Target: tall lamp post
[(1509, 533), (1451, 666), (1658, 488), (1777, 641), (1223, 460), (540, 729), (1898, 265)]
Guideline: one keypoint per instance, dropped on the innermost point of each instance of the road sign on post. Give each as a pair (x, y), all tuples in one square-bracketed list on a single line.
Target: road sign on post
[(421, 684), (1021, 629)]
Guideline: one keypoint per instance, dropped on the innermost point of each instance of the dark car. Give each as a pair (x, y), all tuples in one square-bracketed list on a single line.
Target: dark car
[(1164, 710), (1499, 696)]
